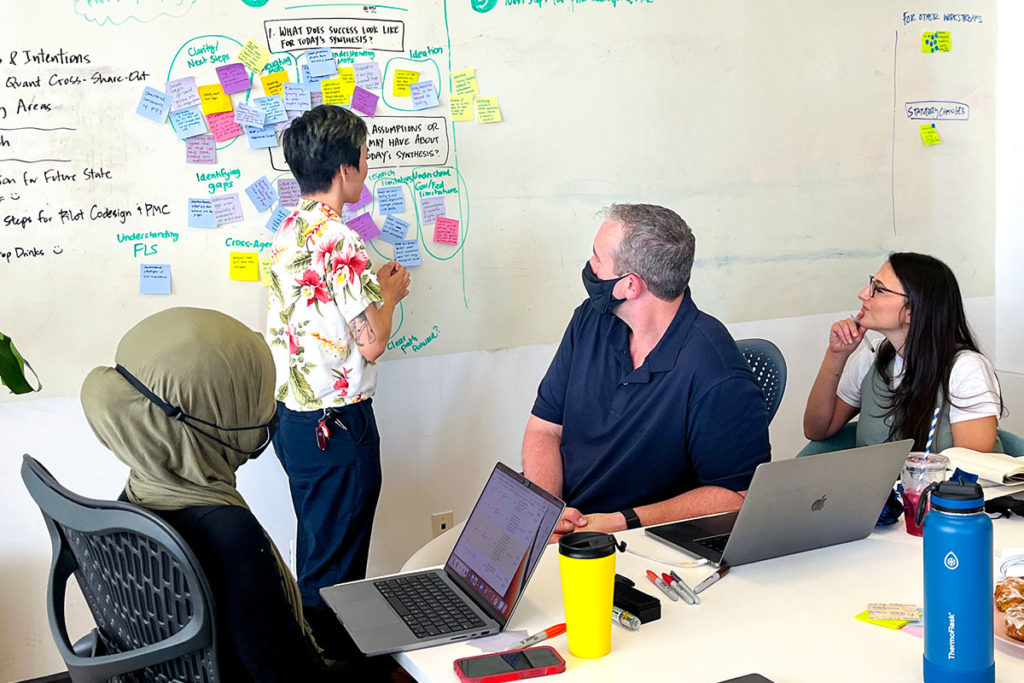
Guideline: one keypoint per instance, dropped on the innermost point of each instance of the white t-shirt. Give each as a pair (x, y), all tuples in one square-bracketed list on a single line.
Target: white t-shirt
[(972, 383)]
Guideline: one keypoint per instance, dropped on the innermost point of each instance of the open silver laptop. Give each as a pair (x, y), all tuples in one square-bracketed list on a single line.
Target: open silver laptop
[(796, 505), (474, 593)]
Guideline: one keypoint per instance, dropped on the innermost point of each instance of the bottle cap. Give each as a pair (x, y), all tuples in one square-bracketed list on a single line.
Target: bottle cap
[(588, 545), (958, 496)]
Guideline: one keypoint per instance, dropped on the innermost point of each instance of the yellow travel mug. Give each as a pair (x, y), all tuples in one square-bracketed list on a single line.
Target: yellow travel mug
[(586, 561)]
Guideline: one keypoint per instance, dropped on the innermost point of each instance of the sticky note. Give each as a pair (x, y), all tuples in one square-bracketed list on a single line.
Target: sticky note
[(887, 610), (183, 93), (227, 208), (244, 266), (273, 107), (233, 77), (461, 107), (154, 105), (936, 41), (201, 149), (273, 83), (407, 253), (334, 91), (364, 101), (312, 82), (316, 98), (431, 208), (282, 126), (394, 229), (929, 136), (367, 75), (277, 218), (223, 126), (214, 99), (487, 110), (390, 199), (188, 122), (249, 115), (365, 226), (265, 268), (261, 137), (402, 80), (296, 97), (288, 192), (200, 213), (423, 94), (364, 198), (261, 193), (254, 56), (446, 231), (347, 77), (154, 278), (320, 61), (464, 82), (894, 624)]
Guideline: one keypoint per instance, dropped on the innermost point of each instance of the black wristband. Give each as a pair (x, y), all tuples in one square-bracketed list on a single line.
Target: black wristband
[(632, 520)]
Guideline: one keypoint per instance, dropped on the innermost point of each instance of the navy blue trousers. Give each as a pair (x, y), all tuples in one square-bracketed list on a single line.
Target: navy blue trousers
[(334, 493)]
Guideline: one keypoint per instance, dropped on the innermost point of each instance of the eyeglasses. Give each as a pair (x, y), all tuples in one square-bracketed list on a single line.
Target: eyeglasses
[(875, 288)]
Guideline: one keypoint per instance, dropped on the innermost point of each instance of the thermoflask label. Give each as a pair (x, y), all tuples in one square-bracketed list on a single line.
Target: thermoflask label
[(951, 630), (951, 561)]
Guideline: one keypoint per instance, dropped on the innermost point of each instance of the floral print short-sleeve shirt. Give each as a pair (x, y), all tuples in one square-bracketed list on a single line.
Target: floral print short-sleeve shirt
[(320, 280)]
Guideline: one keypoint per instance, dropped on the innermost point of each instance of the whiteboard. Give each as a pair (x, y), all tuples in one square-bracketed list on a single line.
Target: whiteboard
[(787, 133)]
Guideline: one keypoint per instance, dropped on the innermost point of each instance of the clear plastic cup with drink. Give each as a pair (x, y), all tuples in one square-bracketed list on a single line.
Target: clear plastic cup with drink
[(919, 470)]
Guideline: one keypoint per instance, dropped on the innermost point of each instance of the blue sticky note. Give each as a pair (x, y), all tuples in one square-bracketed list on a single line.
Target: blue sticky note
[(321, 62), (188, 122), (227, 208), (261, 194), (296, 97), (407, 253), (312, 82), (272, 107), (431, 208), (277, 218), (249, 116), (154, 278), (393, 230), (423, 95), (154, 105), (200, 213), (261, 137), (390, 199)]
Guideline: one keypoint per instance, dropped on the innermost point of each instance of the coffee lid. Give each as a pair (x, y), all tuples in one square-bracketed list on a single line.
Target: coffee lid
[(587, 545)]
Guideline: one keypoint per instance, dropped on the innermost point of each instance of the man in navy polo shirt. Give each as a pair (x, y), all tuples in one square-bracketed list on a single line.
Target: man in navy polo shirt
[(648, 412)]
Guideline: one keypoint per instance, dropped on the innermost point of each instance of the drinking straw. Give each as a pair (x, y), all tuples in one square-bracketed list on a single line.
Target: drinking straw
[(931, 432)]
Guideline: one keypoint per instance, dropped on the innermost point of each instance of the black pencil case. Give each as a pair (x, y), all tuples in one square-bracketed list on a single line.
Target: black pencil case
[(645, 607)]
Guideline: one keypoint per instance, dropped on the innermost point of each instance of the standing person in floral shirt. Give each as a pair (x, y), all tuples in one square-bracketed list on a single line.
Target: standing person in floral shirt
[(329, 320)]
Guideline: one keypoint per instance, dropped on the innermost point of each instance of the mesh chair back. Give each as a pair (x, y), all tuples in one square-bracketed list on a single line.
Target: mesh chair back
[(146, 591), (769, 368)]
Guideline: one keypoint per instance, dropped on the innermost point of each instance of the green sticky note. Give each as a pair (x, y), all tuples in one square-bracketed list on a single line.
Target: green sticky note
[(894, 624)]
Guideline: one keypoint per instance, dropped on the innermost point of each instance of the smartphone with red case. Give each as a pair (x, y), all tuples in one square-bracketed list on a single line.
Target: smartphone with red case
[(510, 666)]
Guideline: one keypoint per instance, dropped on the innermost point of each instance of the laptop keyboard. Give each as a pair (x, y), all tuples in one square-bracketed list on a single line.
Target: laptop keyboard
[(716, 543), (427, 605)]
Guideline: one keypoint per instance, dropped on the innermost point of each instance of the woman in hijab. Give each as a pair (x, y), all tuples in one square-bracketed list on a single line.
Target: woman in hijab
[(189, 401)]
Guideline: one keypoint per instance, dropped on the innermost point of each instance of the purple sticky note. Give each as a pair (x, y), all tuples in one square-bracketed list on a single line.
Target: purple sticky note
[(183, 93), (154, 105), (223, 126), (288, 191), (365, 226), (394, 229), (407, 253), (233, 77), (296, 97), (246, 115), (261, 193), (423, 95), (431, 208), (446, 231), (188, 122), (261, 137), (227, 208), (364, 198), (284, 125), (154, 278), (367, 75), (364, 101), (200, 213), (277, 218), (321, 62), (201, 149)]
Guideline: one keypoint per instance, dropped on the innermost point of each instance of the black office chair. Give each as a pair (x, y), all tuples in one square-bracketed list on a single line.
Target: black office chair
[(769, 368), (146, 591)]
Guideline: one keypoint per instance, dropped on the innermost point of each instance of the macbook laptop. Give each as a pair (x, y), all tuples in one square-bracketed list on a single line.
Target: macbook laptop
[(796, 505), (474, 593)]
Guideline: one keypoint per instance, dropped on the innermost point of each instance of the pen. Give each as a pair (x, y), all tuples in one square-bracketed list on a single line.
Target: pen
[(719, 573), (556, 630), (625, 619), (856, 322), (686, 588), (662, 586), (674, 585)]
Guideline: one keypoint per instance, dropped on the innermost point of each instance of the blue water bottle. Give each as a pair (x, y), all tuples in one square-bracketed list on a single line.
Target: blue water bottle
[(957, 585)]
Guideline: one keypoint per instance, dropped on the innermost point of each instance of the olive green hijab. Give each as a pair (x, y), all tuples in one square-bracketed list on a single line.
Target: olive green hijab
[(211, 366)]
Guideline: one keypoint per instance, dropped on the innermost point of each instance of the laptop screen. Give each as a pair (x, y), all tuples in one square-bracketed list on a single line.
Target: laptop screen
[(503, 540)]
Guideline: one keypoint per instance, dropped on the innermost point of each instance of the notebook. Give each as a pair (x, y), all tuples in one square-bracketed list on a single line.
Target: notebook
[(475, 592), (796, 505)]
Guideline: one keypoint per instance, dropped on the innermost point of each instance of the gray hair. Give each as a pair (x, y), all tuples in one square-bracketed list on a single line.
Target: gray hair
[(657, 245)]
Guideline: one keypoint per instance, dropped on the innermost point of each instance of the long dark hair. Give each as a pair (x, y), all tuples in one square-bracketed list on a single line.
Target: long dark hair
[(938, 332)]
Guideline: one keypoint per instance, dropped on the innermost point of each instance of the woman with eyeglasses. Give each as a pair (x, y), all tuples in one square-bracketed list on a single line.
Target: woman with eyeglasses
[(927, 367)]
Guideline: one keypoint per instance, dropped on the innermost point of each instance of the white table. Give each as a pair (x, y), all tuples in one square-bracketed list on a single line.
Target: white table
[(790, 619)]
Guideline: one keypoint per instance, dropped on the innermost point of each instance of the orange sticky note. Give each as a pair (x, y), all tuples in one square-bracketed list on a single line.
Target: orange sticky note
[(213, 99)]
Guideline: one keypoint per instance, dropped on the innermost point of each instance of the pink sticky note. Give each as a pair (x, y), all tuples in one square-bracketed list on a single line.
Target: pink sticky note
[(446, 230), (316, 98), (201, 149), (365, 226), (233, 77), (364, 101), (223, 126)]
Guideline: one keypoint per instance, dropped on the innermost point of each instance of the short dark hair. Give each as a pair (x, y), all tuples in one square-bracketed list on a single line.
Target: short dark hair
[(657, 245), (321, 141)]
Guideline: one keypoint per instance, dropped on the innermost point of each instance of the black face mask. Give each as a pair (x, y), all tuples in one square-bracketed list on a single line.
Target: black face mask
[(176, 413), (600, 291)]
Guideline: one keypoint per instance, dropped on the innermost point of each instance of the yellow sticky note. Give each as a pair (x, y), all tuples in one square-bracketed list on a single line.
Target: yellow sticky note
[(487, 110), (464, 82), (402, 81), (245, 266), (334, 91), (936, 41), (461, 107), (265, 271), (929, 136), (894, 624), (214, 100), (347, 76), (254, 56), (273, 84)]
